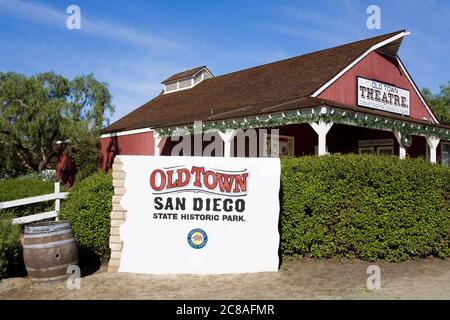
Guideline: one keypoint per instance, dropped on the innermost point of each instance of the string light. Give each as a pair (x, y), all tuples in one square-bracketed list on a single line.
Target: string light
[(299, 118)]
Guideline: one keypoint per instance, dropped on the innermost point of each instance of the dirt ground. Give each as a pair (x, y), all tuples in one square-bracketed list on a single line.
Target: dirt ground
[(298, 279)]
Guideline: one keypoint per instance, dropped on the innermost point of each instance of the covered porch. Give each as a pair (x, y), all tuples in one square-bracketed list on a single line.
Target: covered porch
[(319, 131)]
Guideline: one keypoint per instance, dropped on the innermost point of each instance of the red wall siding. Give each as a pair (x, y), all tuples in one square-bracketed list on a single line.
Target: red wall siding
[(66, 169), (377, 67), (134, 144)]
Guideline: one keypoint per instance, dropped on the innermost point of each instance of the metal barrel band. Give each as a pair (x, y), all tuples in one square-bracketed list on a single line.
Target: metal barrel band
[(48, 234), (74, 263), (49, 244), (49, 228), (50, 279)]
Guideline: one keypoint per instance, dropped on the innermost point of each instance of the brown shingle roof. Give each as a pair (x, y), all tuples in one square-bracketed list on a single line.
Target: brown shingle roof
[(247, 92), (183, 74)]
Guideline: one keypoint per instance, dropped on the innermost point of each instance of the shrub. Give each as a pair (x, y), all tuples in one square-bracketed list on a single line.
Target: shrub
[(12, 189), (368, 207), (88, 208), (18, 188), (46, 175), (10, 252)]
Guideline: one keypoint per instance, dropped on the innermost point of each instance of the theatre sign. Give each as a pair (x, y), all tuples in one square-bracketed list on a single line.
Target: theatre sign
[(382, 96)]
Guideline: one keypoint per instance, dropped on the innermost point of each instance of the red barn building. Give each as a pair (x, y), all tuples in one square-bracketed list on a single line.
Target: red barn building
[(357, 98)]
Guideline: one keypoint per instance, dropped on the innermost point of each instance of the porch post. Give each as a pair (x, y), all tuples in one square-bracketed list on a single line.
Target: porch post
[(322, 128), (227, 138), (157, 147), (402, 149), (433, 143)]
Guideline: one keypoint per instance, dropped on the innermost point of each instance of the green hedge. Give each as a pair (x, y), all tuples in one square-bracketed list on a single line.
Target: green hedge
[(88, 208), (18, 188), (355, 206), (10, 252), (367, 207)]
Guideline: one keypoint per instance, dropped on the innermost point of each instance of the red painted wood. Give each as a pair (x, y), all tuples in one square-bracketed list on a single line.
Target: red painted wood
[(377, 67), (66, 169), (133, 144)]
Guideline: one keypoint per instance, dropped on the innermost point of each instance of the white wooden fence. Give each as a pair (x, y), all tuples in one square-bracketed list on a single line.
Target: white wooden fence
[(57, 196)]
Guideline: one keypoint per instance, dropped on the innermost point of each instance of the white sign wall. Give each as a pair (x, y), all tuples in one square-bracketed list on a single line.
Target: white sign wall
[(381, 96), (200, 215)]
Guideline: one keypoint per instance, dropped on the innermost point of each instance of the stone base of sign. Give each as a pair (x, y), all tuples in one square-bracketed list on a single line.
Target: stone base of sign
[(118, 216)]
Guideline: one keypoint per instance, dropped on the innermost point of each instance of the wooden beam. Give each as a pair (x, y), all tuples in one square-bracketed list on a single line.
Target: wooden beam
[(35, 217), (24, 201)]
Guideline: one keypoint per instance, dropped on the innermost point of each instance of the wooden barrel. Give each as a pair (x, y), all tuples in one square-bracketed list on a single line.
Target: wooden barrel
[(49, 248)]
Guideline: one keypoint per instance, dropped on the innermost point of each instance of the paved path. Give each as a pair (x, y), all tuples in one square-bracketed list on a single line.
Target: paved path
[(304, 279)]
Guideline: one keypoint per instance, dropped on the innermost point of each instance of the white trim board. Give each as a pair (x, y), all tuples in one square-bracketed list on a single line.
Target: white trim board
[(373, 48), (415, 89), (125, 133), (204, 68)]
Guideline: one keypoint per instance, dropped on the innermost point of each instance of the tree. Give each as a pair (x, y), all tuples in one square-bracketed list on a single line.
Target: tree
[(439, 103), (89, 103), (9, 165), (37, 111)]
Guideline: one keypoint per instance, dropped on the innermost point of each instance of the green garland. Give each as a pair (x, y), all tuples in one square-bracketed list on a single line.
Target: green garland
[(406, 129)]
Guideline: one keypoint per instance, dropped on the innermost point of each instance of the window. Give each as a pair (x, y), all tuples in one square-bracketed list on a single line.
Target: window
[(376, 146), (285, 145), (367, 150), (171, 86), (198, 77), (185, 83), (445, 154), (385, 151)]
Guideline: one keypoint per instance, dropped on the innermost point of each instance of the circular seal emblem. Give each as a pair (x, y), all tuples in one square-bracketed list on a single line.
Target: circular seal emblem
[(197, 238)]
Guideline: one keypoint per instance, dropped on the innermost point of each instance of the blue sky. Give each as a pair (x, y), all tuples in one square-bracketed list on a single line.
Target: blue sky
[(133, 45)]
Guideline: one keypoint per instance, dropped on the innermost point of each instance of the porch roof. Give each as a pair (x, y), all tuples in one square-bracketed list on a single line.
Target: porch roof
[(307, 109)]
